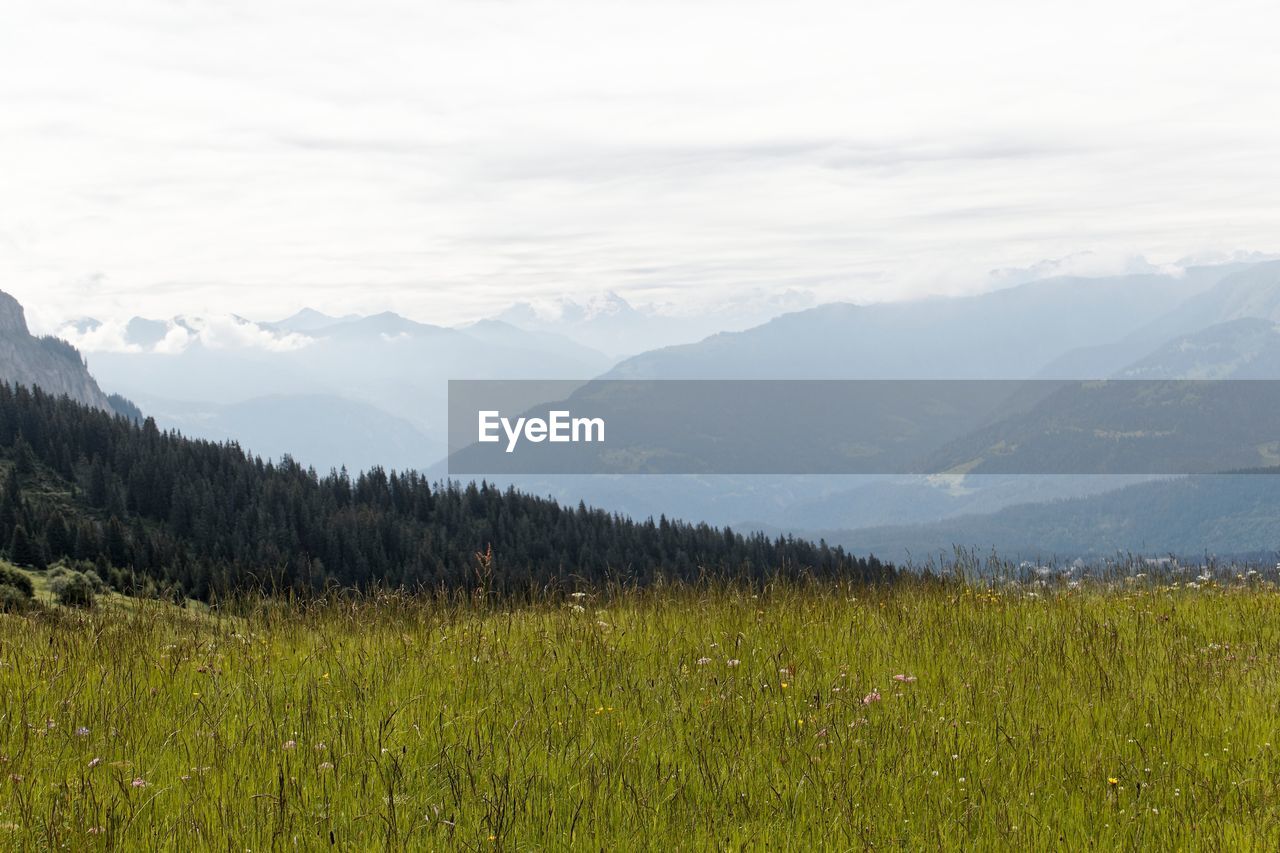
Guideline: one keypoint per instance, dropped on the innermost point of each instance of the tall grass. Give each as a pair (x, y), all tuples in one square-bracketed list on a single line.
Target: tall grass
[(1117, 715)]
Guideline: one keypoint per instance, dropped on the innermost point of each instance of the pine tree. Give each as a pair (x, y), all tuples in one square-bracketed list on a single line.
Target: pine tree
[(24, 550)]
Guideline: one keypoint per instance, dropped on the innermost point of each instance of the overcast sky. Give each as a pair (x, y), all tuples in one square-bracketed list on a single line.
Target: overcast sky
[(445, 158)]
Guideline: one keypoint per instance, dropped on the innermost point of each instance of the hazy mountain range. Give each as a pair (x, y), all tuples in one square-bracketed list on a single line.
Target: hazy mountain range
[(356, 390), (612, 325), (1128, 327), (331, 391)]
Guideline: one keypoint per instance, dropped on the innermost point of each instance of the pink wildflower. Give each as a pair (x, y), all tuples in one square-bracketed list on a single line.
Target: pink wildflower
[(873, 696), (904, 679)]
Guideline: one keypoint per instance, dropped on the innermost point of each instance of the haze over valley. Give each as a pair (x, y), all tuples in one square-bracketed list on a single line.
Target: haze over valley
[(359, 391)]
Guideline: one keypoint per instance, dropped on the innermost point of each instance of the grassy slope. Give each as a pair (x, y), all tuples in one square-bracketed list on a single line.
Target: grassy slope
[(415, 725)]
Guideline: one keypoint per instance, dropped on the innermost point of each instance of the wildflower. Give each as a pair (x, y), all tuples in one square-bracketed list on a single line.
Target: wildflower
[(904, 679), (784, 685), (578, 608), (1112, 781), (139, 782), (16, 777), (578, 595), (873, 696), (326, 765), (95, 830), (732, 662), (82, 732), (703, 661), (290, 744)]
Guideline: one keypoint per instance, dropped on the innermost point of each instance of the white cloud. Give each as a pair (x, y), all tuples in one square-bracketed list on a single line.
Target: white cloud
[(175, 341), (107, 336), (446, 159), (224, 332), (214, 332)]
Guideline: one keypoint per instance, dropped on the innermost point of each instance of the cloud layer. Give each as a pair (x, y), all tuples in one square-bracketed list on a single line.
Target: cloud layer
[(446, 159)]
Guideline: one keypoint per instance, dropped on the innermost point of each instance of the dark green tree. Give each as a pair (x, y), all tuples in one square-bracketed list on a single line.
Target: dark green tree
[(24, 550)]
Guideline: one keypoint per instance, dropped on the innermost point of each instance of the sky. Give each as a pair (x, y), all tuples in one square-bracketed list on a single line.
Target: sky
[(445, 159)]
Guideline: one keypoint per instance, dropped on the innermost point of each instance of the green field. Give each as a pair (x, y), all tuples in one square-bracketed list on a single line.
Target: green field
[(1126, 716)]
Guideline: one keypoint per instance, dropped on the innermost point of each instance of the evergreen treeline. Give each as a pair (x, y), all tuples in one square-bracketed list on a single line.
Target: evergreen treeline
[(194, 518)]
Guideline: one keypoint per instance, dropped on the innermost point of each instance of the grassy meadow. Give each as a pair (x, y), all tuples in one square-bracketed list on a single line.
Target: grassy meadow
[(1107, 716)]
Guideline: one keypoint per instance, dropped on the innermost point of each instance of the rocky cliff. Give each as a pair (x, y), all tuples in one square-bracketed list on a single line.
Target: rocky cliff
[(49, 363)]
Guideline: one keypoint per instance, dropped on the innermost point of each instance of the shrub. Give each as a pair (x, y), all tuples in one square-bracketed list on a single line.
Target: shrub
[(17, 580), (13, 600), (72, 589)]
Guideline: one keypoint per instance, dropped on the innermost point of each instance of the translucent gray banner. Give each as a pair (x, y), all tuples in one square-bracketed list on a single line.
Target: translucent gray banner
[(501, 427)]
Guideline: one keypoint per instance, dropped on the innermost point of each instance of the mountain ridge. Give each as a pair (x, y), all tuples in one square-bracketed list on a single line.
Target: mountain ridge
[(48, 363)]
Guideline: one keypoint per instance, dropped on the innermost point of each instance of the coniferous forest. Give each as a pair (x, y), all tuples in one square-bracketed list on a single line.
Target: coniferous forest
[(160, 513)]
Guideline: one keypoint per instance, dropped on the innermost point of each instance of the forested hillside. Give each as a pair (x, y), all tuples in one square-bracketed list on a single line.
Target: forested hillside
[(199, 518), (1230, 516)]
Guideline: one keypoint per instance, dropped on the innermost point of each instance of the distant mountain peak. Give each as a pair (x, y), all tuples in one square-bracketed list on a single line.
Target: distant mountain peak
[(309, 315), (567, 310), (143, 332), (386, 323), (84, 325), (307, 320), (606, 304)]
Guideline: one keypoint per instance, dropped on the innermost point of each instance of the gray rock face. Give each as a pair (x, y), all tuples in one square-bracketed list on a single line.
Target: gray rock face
[(48, 363), (12, 319)]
